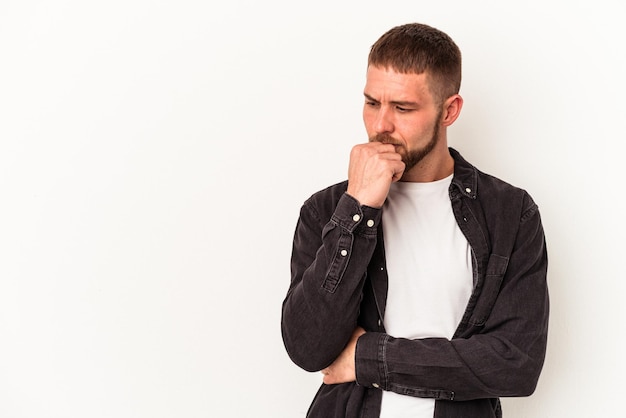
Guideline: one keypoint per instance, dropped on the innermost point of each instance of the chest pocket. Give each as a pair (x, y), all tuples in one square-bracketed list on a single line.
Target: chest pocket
[(496, 267)]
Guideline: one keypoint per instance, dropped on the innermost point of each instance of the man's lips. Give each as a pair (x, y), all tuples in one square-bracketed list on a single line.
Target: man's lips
[(384, 139)]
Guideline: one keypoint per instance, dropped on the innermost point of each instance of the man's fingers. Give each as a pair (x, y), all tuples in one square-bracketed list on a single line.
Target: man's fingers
[(329, 380), (371, 148), (326, 377), (373, 167)]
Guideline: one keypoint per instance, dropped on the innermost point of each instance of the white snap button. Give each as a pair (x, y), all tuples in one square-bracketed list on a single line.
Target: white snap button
[(344, 253), (375, 385), (356, 218), (468, 190), (370, 223)]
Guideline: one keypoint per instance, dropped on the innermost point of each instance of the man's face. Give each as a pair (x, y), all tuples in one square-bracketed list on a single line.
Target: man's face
[(399, 109)]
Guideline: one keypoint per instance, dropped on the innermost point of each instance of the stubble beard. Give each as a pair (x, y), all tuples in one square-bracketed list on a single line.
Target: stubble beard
[(411, 158)]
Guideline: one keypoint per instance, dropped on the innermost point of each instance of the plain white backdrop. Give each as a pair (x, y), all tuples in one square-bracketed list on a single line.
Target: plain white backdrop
[(154, 156)]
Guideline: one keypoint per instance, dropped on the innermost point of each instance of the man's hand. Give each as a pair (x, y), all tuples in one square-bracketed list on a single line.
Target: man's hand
[(373, 167), (343, 368)]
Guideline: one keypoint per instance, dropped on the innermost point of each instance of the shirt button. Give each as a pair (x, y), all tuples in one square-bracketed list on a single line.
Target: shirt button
[(370, 223), (468, 190), (375, 385), (356, 217), (344, 253)]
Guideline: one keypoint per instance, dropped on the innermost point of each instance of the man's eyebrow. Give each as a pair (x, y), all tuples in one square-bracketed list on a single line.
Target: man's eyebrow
[(395, 102)]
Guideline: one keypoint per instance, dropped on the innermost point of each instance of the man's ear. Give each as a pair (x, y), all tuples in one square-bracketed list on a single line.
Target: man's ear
[(451, 109)]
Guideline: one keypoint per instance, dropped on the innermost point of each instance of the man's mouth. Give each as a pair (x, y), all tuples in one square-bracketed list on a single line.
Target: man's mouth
[(385, 139)]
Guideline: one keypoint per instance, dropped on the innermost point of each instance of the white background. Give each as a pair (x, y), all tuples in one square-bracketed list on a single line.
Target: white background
[(154, 156)]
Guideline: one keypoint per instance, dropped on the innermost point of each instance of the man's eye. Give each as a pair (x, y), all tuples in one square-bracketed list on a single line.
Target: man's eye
[(403, 109), (370, 103)]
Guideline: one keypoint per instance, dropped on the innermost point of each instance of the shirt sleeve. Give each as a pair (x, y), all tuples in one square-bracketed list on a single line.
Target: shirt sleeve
[(329, 259)]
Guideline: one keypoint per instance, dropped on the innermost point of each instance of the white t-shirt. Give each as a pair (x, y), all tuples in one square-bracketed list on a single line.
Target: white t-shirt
[(429, 264)]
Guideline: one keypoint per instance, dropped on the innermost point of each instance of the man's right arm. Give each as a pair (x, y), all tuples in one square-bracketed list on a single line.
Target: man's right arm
[(331, 250), (334, 240)]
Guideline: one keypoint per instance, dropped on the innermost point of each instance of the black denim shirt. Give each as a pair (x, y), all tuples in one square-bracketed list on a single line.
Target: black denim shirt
[(339, 281)]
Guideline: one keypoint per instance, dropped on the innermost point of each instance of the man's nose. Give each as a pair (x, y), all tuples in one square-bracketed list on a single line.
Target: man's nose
[(384, 122)]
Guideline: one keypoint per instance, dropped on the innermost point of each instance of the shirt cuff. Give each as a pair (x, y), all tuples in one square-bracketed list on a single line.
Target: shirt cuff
[(354, 217), (370, 360)]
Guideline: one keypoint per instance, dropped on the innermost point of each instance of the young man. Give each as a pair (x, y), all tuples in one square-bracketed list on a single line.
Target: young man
[(418, 286)]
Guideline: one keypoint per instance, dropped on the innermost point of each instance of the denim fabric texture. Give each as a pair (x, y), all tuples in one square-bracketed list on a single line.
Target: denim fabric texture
[(339, 281)]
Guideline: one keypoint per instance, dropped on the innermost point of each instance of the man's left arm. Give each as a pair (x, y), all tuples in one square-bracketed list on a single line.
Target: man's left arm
[(502, 357)]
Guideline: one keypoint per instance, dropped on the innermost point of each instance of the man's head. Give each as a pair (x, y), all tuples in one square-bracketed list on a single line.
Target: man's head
[(411, 97), (416, 48)]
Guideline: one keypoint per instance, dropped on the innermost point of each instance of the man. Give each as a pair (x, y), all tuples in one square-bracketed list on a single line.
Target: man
[(419, 285)]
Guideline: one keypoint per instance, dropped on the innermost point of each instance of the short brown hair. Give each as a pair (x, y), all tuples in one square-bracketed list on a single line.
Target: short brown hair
[(417, 48)]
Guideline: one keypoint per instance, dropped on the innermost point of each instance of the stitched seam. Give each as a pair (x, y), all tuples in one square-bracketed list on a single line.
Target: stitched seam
[(385, 368)]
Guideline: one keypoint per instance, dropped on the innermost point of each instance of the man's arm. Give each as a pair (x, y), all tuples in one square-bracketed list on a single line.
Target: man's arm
[(502, 357), (333, 243), (328, 265)]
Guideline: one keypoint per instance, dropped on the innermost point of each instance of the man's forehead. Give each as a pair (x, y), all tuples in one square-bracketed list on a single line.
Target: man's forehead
[(388, 81)]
